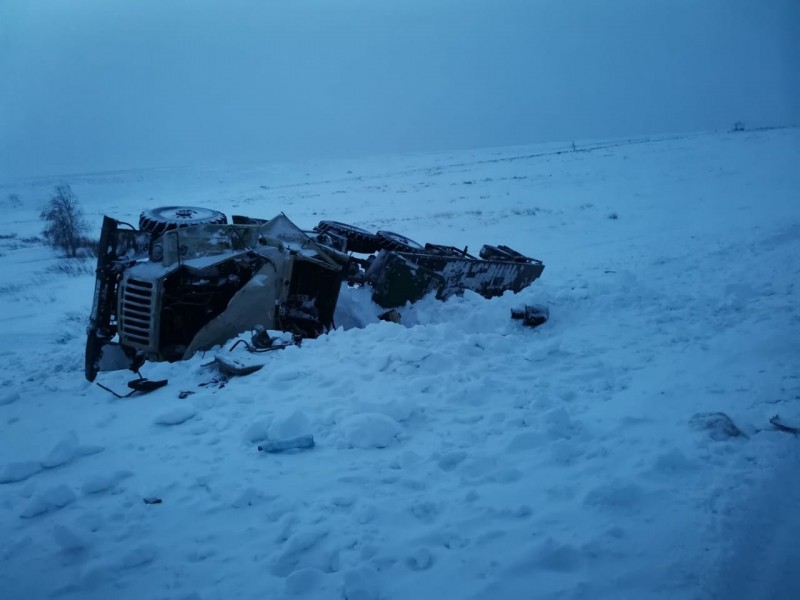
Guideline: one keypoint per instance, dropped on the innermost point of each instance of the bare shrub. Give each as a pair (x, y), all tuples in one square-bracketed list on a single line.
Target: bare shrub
[(11, 288), (72, 268), (88, 247), (64, 222), (72, 327), (525, 212)]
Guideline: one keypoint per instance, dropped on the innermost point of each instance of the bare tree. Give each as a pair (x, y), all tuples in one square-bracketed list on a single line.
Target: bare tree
[(64, 222)]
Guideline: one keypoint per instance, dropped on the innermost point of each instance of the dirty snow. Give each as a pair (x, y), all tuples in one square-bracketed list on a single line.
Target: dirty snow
[(458, 454)]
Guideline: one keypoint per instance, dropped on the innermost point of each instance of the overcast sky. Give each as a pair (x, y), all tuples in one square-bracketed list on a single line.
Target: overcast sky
[(91, 85)]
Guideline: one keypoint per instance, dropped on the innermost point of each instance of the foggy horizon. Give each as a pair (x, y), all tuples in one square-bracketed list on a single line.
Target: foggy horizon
[(90, 86)]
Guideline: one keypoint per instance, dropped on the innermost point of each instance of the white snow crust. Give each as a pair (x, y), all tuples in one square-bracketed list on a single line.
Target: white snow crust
[(458, 454)]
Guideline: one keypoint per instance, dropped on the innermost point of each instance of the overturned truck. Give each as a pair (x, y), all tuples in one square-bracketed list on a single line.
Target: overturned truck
[(187, 280)]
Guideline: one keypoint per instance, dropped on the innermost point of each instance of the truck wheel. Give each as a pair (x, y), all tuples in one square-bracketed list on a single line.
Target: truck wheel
[(358, 240), (388, 240), (166, 218)]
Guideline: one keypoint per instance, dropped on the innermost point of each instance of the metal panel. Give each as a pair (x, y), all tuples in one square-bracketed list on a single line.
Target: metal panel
[(137, 302)]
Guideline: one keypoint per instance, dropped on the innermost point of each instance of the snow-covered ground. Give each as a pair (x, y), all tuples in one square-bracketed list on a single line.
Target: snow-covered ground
[(459, 455)]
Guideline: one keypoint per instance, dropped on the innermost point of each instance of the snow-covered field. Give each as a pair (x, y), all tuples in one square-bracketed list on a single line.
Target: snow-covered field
[(459, 455)]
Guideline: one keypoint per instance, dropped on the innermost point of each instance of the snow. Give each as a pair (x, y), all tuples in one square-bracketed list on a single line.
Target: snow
[(51, 499), (369, 430), (457, 454), (9, 398), (63, 452), (19, 471), (175, 416)]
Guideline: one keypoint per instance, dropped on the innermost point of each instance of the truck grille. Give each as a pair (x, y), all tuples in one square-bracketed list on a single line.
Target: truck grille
[(136, 313)]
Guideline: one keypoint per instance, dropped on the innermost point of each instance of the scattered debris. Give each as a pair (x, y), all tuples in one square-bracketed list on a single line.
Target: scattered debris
[(152, 500), (776, 423), (263, 340), (216, 381), (719, 425), (531, 315), (300, 442), (185, 394)]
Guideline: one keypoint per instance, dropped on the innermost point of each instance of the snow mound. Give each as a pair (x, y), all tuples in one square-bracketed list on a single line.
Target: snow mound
[(292, 425), (303, 582), (19, 471), (6, 399), (63, 452), (370, 430), (97, 484), (175, 416), (68, 540), (139, 556), (53, 499)]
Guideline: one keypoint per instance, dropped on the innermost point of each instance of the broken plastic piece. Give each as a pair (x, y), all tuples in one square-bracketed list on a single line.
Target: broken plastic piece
[(393, 316), (261, 338), (146, 385), (231, 367), (300, 442), (531, 315)]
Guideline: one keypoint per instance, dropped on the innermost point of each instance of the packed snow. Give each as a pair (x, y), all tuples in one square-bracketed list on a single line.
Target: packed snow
[(621, 450)]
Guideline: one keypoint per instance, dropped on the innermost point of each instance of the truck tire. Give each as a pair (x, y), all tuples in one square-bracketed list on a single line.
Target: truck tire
[(166, 218), (358, 240), (388, 240)]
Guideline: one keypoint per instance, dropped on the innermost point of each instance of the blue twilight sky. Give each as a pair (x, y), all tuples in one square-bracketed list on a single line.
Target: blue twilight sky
[(89, 85)]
